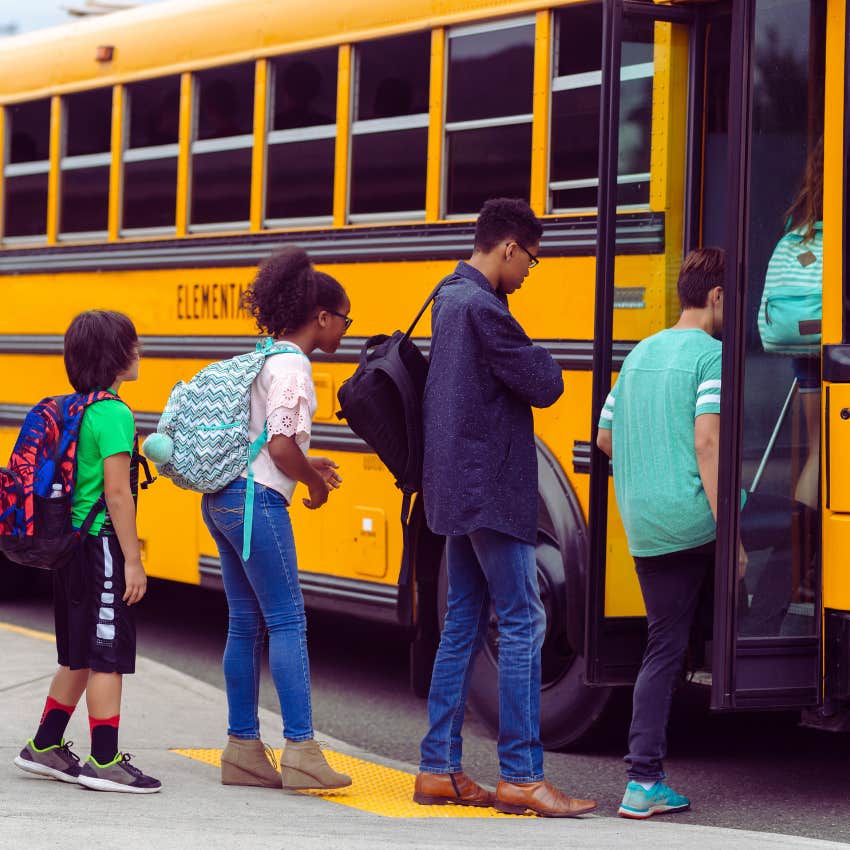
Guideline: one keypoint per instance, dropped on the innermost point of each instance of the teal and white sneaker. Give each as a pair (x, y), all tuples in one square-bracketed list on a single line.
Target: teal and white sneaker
[(118, 775), (57, 761), (639, 803)]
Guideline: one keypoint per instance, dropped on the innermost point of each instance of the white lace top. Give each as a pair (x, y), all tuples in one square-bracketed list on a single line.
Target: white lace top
[(283, 400)]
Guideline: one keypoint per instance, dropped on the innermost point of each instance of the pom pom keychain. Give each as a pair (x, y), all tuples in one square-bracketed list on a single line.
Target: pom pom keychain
[(158, 448)]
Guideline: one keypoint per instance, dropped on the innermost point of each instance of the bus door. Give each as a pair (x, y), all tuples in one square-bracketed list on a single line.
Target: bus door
[(767, 625), (652, 69)]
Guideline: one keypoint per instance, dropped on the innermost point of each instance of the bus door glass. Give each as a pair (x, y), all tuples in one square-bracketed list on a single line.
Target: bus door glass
[(644, 177), (767, 620)]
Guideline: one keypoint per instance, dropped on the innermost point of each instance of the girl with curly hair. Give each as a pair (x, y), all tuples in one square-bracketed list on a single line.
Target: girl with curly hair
[(303, 309)]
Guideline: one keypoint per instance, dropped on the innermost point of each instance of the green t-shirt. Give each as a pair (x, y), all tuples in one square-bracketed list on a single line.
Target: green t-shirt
[(666, 381), (107, 429)]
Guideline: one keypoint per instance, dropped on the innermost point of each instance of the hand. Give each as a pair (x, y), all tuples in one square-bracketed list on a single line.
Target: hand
[(135, 582), (327, 469), (743, 560), (319, 491)]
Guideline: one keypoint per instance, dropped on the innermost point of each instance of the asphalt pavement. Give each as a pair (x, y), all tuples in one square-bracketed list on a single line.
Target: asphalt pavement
[(166, 711)]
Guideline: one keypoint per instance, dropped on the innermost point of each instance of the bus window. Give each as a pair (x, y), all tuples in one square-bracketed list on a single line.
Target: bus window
[(150, 159), (389, 135), (488, 113), (86, 158), (26, 169), (575, 111), (302, 139), (780, 464), (222, 148)]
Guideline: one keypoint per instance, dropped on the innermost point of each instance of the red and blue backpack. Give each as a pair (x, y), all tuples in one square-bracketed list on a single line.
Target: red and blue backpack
[(37, 487)]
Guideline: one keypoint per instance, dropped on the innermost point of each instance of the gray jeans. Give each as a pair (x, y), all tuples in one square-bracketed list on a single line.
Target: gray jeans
[(672, 586)]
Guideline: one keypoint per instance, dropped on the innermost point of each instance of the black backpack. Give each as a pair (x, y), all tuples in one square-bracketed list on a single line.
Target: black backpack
[(382, 403)]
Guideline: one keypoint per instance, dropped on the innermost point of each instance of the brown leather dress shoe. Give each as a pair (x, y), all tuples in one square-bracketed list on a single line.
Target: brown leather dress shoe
[(452, 789), (542, 798)]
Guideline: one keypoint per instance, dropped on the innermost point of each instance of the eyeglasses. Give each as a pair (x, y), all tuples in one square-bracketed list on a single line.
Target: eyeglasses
[(534, 261), (347, 319)]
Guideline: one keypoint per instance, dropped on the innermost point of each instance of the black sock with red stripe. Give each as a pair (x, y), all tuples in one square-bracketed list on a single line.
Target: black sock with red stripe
[(104, 738), (54, 722)]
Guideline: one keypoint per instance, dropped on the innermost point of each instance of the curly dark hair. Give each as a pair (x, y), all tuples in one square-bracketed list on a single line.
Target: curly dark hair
[(286, 291), (506, 218)]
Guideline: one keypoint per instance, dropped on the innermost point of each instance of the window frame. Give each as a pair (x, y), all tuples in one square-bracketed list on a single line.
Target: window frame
[(512, 22), (19, 169), (149, 153), (572, 82), (317, 132), (371, 126), (223, 144), (81, 161)]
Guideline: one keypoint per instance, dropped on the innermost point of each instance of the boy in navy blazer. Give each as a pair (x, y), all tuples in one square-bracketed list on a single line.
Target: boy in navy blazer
[(480, 491)]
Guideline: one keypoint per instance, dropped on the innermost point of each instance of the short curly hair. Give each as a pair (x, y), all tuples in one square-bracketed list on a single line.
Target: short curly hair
[(286, 291), (506, 218)]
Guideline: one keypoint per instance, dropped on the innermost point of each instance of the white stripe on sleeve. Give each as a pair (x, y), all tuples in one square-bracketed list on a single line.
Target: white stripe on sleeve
[(708, 399), (708, 385)]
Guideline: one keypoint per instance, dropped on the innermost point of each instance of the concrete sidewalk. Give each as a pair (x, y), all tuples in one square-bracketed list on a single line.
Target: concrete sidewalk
[(164, 710)]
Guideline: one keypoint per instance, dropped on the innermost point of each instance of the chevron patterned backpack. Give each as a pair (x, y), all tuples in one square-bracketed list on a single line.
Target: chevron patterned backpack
[(201, 442)]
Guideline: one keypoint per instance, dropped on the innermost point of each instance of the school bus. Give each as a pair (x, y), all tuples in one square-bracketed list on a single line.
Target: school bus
[(152, 158)]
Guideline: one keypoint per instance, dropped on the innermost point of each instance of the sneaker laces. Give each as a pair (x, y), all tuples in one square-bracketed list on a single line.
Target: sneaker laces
[(271, 756), (65, 749), (130, 768)]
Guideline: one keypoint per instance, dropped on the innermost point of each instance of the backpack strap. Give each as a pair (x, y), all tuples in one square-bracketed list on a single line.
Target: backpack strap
[(248, 520), (424, 307), (91, 516), (267, 347)]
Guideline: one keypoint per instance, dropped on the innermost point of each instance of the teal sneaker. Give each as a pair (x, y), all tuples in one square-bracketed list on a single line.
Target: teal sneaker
[(639, 803)]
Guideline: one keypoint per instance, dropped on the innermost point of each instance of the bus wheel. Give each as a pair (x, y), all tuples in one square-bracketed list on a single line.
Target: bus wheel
[(568, 708)]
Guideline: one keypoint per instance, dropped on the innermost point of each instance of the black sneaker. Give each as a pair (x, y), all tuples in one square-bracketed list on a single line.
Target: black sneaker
[(118, 775), (57, 761)]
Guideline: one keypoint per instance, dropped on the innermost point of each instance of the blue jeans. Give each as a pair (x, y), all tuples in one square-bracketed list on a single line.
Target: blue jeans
[(482, 566), (263, 593)]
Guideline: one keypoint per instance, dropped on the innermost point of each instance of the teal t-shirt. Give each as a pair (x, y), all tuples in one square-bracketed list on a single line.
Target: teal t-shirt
[(107, 429), (666, 381)]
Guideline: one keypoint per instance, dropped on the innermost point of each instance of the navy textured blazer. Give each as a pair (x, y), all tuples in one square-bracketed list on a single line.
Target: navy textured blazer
[(480, 468)]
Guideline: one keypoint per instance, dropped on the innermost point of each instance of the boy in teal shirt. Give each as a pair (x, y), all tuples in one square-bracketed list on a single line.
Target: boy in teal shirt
[(661, 425)]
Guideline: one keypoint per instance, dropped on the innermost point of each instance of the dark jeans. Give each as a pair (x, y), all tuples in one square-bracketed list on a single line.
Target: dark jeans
[(672, 586)]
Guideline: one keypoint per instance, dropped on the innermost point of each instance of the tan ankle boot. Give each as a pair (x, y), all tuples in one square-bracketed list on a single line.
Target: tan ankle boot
[(248, 761), (303, 765)]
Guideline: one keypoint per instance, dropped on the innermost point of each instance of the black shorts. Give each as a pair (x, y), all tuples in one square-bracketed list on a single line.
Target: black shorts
[(94, 628)]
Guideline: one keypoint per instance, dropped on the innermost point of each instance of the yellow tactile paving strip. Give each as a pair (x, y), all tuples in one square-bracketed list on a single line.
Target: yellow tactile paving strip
[(8, 627), (375, 788)]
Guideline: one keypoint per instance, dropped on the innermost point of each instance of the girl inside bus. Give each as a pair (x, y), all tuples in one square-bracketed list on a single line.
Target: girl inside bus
[(307, 310), (790, 312)]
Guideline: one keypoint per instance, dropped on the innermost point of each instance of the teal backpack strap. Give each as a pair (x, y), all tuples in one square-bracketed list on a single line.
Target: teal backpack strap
[(248, 522), (266, 347)]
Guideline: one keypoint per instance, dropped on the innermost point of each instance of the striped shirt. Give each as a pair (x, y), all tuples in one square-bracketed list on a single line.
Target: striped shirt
[(667, 381)]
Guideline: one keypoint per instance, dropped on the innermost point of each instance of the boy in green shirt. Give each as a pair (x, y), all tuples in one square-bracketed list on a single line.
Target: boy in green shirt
[(661, 425), (93, 595)]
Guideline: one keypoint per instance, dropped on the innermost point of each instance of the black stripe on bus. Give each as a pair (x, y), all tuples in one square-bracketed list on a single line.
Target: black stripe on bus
[(581, 458), (574, 355), (637, 233), (335, 438)]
